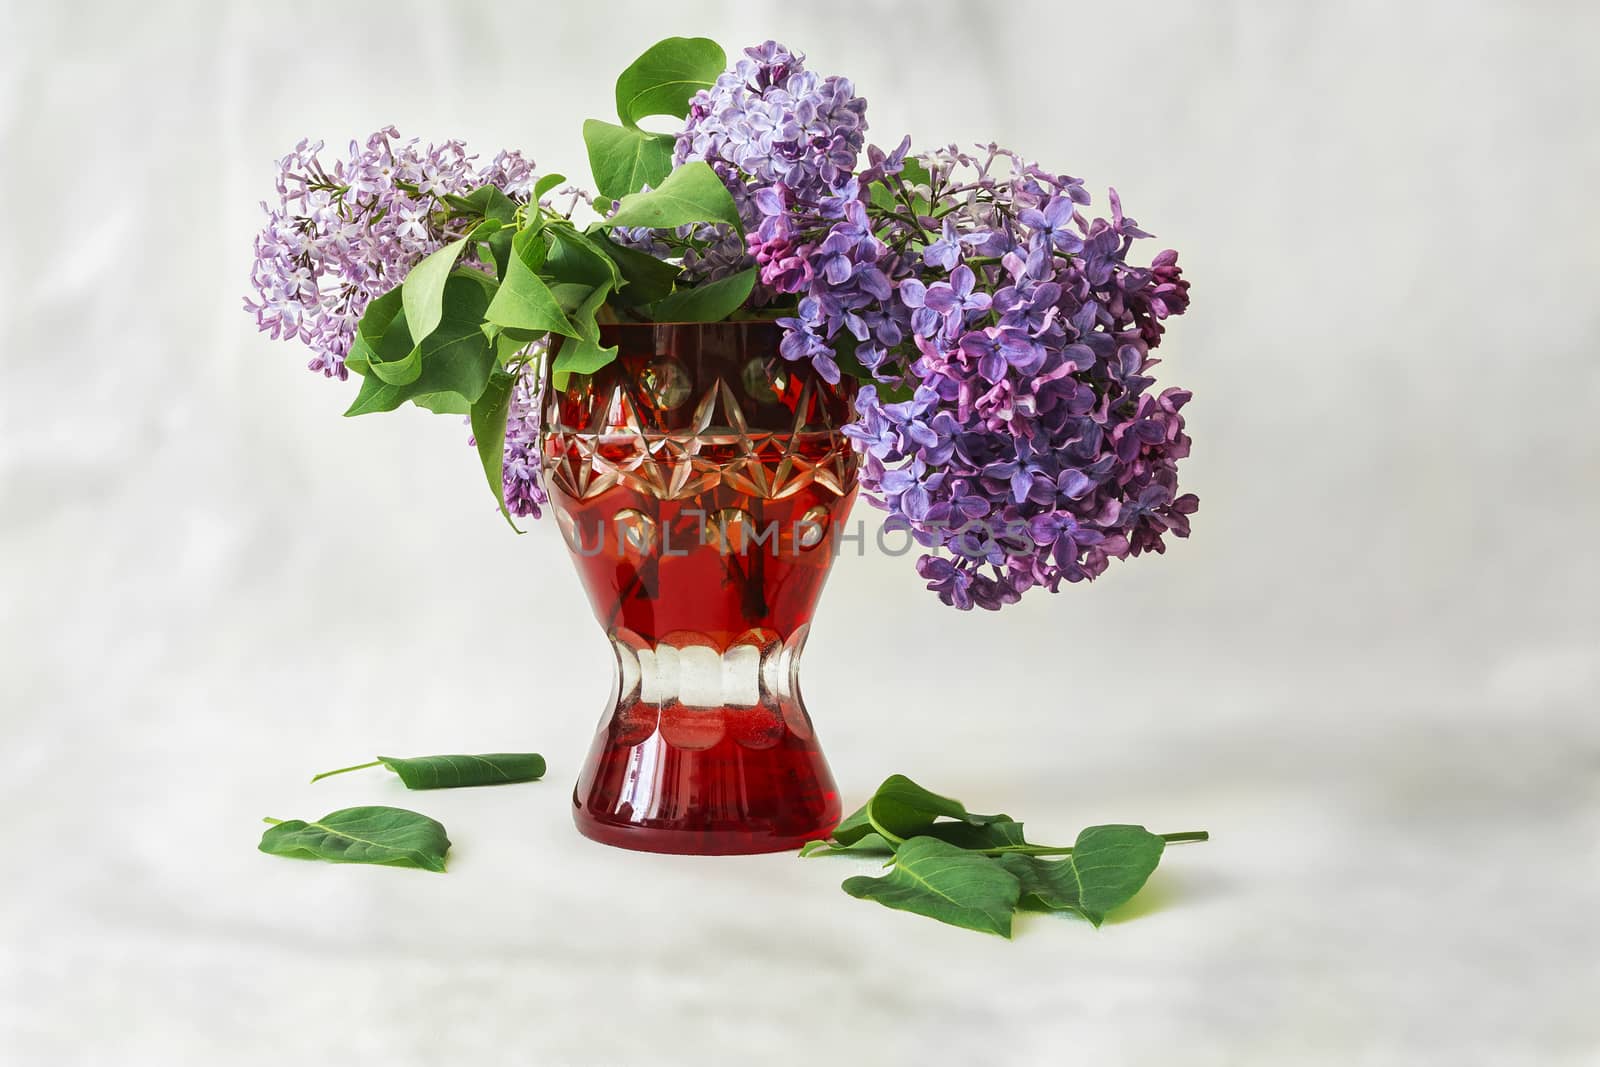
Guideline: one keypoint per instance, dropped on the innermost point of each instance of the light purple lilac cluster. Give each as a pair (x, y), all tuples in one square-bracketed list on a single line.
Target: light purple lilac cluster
[(521, 473), (344, 234), (1030, 449)]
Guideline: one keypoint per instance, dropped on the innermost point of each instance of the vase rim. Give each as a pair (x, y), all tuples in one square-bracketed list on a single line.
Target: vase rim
[(685, 325)]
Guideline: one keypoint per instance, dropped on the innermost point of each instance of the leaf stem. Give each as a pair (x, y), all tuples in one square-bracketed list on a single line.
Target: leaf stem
[(342, 770), (1052, 850), (270, 820)]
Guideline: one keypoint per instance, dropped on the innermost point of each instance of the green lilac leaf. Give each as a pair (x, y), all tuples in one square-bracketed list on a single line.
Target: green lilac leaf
[(902, 809), (691, 193), (488, 416), (869, 844), (443, 403), (649, 279), (545, 184), (1108, 865), (711, 302), (424, 288), (402, 371), (524, 300), (1001, 833), (575, 257), (947, 883), (853, 827), (375, 321), (623, 160), (456, 357), (661, 81), (585, 355), (915, 172), (571, 296), (392, 837), (487, 201), (454, 772)]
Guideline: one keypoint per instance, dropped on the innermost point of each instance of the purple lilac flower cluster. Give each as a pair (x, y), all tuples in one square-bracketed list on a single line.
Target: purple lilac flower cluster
[(524, 489), (344, 234), (1032, 448), (780, 136)]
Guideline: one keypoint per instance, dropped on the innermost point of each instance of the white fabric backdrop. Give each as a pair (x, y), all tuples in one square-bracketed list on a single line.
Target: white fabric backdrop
[(1371, 673)]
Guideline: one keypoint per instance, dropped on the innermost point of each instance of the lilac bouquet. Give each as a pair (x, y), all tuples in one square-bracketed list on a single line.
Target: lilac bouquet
[(1001, 333)]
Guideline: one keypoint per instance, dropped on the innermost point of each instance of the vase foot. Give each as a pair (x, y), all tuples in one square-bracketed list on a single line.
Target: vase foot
[(726, 796)]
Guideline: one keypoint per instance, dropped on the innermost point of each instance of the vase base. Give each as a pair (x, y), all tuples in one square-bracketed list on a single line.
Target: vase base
[(725, 799)]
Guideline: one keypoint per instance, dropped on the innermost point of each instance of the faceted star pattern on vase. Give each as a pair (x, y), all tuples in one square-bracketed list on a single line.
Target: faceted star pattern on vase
[(619, 447)]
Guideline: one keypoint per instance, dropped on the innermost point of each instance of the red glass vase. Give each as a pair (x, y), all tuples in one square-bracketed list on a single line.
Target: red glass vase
[(699, 481)]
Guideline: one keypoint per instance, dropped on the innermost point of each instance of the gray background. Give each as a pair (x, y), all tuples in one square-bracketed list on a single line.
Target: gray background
[(1371, 672)]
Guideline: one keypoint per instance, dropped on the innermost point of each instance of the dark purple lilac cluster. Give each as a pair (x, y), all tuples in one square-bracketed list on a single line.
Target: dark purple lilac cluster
[(1032, 449), (1026, 442)]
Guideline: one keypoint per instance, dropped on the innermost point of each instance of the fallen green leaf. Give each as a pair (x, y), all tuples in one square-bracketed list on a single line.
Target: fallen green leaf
[(453, 772), (1108, 865), (392, 837), (947, 883)]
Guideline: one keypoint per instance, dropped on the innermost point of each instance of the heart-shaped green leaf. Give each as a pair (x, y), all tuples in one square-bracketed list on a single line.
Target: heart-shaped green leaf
[(456, 357), (711, 302), (392, 837), (524, 301), (576, 257), (625, 160), (1108, 865), (946, 883), (691, 193), (902, 809), (375, 322), (648, 278), (423, 289), (661, 81), (488, 419), (585, 355)]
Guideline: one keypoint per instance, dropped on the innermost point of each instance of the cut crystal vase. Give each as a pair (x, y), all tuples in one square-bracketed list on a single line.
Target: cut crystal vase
[(700, 481)]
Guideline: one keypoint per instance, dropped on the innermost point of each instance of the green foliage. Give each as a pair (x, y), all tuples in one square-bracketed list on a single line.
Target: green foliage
[(488, 415), (374, 324), (423, 291), (585, 355), (691, 193), (946, 883), (662, 80), (1108, 865), (392, 837), (975, 870), (453, 772), (645, 279), (524, 300), (624, 159), (711, 302), (451, 337), (455, 358)]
